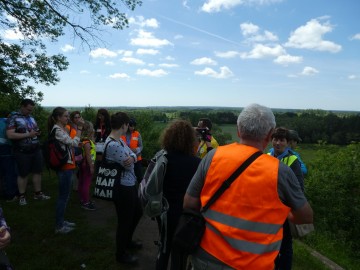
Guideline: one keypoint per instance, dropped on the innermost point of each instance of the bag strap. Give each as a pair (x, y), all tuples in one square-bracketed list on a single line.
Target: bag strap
[(111, 139), (227, 183)]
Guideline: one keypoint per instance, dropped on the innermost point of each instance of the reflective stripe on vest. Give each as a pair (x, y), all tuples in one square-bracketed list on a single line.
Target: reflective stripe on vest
[(134, 141), (244, 226)]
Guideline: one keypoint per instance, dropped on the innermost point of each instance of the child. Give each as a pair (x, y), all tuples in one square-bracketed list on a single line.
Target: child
[(86, 168)]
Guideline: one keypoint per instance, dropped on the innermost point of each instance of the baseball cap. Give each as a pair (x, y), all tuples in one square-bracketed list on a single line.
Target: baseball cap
[(294, 135)]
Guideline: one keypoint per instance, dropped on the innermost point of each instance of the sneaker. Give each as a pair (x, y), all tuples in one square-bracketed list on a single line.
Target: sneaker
[(69, 224), (22, 201), (88, 206), (13, 199), (64, 230), (41, 196)]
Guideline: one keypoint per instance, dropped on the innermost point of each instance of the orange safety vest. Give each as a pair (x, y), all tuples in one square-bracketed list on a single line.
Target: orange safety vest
[(244, 226), (72, 134), (134, 141)]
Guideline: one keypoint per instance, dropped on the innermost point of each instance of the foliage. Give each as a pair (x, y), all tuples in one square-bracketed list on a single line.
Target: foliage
[(26, 61), (333, 188), (89, 114)]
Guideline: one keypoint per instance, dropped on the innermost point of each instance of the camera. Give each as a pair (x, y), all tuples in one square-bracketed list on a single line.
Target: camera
[(204, 133)]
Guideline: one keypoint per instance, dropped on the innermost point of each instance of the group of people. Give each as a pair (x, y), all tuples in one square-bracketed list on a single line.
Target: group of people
[(245, 228)]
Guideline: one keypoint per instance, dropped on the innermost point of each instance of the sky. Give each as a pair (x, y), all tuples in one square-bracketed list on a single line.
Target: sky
[(279, 53)]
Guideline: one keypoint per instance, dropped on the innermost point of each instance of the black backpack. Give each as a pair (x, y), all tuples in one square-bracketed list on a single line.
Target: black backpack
[(55, 153)]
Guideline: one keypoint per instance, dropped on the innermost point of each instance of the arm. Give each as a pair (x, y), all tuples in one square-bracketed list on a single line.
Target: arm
[(296, 168), (303, 215), (292, 196), (191, 202), (12, 135), (63, 137)]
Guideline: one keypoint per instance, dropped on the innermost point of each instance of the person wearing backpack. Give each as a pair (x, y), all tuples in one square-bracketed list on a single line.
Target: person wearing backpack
[(57, 121), (86, 167), (179, 140)]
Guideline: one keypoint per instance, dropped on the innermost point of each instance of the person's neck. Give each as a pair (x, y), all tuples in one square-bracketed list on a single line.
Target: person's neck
[(115, 134), (259, 145)]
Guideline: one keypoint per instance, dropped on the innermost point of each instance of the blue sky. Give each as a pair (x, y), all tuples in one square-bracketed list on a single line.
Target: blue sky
[(279, 53)]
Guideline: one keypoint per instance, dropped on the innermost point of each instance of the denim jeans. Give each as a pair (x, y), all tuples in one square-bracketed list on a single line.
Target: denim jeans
[(65, 186)]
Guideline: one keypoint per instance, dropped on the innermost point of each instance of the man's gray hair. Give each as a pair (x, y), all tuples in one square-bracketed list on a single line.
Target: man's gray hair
[(255, 121)]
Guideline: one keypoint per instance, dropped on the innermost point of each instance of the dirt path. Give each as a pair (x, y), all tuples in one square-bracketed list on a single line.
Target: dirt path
[(146, 231)]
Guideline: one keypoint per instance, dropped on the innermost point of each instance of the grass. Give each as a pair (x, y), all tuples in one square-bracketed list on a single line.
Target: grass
[(35, 245)]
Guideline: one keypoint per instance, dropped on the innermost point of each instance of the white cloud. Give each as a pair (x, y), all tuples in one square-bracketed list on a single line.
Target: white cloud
[(178, 37), (218, 5), (12, 34), (67, 48), (147, 51), (109, 63), (84, 71), (310, 36), (142, 22), (228, 54), (252, 33), (169, 58), (125, 53), (146, 39), (119, 76), (131, 60), (224, 73), (249, 29), (309, 71), (261, 51), (166, 65), (286, 59), (185, 4), (152, 73), (356, 36), (203, 61), (353, 77), (102, 52)]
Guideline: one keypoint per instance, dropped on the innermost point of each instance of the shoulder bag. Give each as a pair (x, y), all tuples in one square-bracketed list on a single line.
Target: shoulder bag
[(191, 226), (108, 175)]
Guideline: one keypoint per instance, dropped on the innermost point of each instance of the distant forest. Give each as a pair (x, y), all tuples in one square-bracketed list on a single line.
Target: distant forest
[(314, 126)]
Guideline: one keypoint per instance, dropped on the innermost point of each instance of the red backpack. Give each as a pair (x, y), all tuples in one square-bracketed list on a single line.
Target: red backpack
[(55, 153)]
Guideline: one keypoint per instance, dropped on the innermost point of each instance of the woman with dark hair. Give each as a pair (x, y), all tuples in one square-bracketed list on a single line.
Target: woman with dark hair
[(57, 123), (179, 140), (102, 129), (102, 125), (127, 204)]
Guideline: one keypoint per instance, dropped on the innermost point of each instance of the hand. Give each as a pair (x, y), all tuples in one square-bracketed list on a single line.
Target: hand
[(128, 161), (33, 133), (4, 237)]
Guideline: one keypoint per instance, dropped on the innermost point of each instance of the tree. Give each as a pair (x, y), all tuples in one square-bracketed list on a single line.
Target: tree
[(26, 61)]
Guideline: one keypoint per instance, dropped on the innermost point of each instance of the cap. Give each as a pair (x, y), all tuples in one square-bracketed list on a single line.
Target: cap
[(132, 122), (294, 135)]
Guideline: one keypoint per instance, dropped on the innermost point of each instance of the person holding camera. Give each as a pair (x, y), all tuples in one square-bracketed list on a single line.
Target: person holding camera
[(207, 142), (24, 133)]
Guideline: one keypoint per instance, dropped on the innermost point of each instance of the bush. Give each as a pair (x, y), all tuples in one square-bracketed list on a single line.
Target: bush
[(333, 189)]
